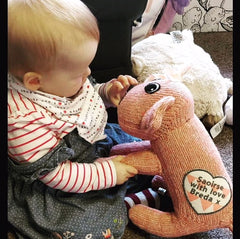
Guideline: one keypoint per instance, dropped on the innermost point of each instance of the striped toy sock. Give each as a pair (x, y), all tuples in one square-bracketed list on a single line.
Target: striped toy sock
[(146, 197)]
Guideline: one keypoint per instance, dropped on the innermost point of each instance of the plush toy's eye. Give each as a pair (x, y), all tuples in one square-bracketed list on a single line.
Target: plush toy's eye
[(152, 87)]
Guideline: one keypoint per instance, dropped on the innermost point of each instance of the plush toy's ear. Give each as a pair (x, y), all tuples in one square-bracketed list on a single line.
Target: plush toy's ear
[(153, 77), (152, 119), (138, 64)]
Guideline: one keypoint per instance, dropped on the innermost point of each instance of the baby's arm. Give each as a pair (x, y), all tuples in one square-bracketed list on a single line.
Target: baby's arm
[(32, 133), (83, 177)]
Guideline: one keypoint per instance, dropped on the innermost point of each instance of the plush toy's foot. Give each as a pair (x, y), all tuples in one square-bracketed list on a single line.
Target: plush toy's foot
[(154, 221)]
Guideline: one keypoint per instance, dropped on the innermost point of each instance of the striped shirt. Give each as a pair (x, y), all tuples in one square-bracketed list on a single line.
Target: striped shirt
[(33, 132)]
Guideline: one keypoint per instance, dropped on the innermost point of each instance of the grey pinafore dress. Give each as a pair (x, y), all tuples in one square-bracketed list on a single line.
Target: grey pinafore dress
[(37, 211)]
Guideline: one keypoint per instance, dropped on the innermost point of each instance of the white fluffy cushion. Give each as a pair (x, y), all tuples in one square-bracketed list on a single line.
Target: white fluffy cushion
[(177, 51)]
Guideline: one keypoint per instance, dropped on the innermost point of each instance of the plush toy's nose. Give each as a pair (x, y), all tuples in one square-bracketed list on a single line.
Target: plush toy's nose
[(152, 87)]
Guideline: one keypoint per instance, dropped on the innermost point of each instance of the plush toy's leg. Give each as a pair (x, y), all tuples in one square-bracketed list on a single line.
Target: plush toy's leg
[(154, 221), (126, 148), (146, 162), (169, 224)]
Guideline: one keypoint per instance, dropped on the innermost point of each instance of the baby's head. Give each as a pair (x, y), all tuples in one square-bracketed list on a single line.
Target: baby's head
[(49, 33)]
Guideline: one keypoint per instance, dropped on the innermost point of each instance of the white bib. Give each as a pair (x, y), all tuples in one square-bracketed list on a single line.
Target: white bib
[(86, 110)]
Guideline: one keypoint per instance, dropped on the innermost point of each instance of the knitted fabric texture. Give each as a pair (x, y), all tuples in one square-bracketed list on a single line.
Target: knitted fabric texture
[(162, 111)]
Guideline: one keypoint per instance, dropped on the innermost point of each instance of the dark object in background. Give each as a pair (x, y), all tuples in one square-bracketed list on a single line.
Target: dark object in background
[(113, 57), (115, 20)]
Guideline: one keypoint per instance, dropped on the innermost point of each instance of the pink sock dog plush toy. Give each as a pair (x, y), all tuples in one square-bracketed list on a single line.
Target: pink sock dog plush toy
[(181, 150)]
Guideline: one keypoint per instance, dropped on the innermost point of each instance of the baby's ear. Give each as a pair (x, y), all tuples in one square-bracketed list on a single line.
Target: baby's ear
[(31, 80)]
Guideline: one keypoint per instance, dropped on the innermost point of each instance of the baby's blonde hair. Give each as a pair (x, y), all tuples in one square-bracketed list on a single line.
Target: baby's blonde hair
[(37, 29)]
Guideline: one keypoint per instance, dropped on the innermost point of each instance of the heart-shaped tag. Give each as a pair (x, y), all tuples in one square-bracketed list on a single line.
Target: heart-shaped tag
[(205, 193)]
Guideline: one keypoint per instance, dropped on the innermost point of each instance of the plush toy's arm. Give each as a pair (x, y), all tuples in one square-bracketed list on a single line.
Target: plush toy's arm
[(140, 156), (126, 148), (146, 162)]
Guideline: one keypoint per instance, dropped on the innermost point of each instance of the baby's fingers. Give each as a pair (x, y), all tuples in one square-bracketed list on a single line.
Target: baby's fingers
[(131, 171), (117, 86), (127, 80), (118, 158)]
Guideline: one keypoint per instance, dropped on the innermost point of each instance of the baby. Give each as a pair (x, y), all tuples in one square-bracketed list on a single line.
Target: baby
[(57, 126)]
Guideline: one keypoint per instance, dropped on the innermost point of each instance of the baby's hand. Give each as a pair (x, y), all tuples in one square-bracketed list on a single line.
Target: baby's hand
[(118, 88), (124, 171)]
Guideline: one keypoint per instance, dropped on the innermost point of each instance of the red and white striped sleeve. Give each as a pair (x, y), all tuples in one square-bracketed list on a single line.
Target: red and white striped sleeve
[(81, 177), (33, 132)]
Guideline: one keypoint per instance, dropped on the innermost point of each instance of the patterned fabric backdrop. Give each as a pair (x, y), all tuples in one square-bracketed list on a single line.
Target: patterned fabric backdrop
[(205, 16)]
